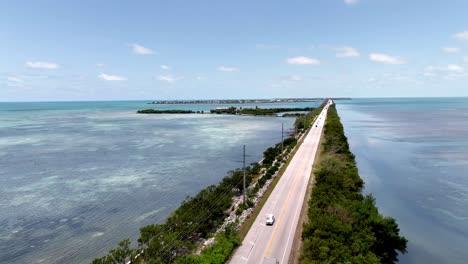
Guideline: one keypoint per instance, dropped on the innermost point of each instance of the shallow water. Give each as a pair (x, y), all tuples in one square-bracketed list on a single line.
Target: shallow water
[(413, 157), (76, 178)]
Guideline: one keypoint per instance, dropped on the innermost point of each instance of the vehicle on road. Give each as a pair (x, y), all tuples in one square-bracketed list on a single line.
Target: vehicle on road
[(270, 219)]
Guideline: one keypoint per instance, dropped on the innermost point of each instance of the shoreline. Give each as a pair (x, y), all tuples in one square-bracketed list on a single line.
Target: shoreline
[(245, 101), (278, 112)]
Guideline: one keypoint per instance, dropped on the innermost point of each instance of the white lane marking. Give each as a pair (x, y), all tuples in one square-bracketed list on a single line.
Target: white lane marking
[(251, 249)]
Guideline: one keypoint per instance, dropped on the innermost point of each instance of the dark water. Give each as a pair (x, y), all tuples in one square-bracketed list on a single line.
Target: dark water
[(413, 156), (76, 178)]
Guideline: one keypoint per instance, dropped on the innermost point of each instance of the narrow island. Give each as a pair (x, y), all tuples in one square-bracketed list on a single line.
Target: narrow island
[(235, 111), (345, 225), (258, 111), (245, 101), (238, 101), (154, 111)]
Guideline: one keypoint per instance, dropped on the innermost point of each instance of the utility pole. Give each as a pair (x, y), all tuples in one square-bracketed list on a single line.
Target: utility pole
[(243, 168)]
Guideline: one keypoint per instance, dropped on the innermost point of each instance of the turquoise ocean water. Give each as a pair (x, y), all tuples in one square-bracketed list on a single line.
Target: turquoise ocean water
[(413, 156), (77, 177)]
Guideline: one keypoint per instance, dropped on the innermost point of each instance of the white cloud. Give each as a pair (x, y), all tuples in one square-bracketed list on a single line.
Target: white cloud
[(346, 52), (351, 2), (302, 61), (228, 69), (165, 67), (451, 49), (140, 50), (384, 58), (465, 59), (295, 78), (455, 68), (451, 71), (23, 80), (101, 65), (462, 35), (169, 78), (15, 79), (108, 77), (41, 65)]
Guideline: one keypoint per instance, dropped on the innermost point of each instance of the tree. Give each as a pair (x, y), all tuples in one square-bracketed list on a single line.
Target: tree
[(120, 254)]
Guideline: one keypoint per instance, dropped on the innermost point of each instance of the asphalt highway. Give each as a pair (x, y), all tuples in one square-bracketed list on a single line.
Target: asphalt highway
[(285, 202)]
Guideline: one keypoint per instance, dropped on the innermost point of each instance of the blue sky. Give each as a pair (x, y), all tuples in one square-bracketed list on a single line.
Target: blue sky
[(125, 50)]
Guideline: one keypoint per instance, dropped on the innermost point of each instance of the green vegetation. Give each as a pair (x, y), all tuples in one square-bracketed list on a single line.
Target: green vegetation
[(154, 111), (304, 122), (230, 111), (117, 255), (257, 111), (271, 154), (218, 253), (345, 226), (293, 114)]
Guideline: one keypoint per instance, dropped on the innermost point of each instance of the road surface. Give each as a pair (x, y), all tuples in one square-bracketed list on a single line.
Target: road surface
[(285, 203)]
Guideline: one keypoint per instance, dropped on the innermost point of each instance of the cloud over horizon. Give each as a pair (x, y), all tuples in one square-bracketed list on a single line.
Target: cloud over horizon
[(108, 77), (451, 49), (228, 69), (41, 65), (140, 50), (450, 72), (301, 60), (295, 78), (346, 52), (169, 78), (384, 58), (14, 81), (462, 35)]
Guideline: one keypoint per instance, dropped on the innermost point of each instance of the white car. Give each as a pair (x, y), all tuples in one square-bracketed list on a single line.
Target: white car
[(270, 219)]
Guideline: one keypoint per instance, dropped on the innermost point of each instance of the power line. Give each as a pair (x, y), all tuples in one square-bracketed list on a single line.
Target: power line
[(207, 214), (243, 171)]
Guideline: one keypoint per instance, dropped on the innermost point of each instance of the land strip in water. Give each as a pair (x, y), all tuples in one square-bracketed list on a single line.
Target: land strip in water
[(235, 111), (344, 225), (245, 101)]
